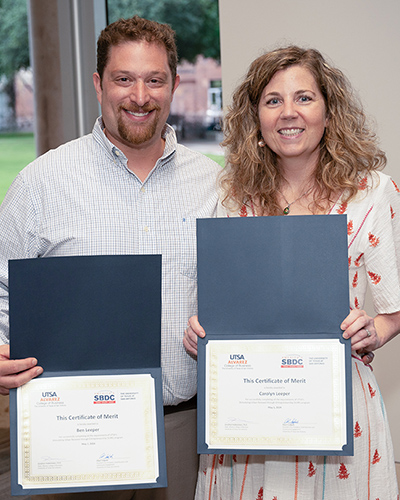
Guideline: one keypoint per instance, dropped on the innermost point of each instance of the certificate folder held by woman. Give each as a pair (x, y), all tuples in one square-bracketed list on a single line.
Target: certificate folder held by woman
[(276, 354)]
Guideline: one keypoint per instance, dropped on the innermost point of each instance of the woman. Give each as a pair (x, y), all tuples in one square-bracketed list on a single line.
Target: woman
[(298, 144)]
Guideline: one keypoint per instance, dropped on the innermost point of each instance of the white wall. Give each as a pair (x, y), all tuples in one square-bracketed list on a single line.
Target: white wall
[(362, 38)]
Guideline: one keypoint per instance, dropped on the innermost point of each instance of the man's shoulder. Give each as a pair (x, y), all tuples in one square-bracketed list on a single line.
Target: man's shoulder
[(194, 158), (75, 152)]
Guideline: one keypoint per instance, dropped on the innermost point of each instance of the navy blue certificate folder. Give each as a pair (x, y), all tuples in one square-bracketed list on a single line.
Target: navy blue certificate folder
[(87, 315), (272, 277)]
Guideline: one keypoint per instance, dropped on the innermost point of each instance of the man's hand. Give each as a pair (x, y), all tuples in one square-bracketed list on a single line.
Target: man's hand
[(16, 372), (192, 331)]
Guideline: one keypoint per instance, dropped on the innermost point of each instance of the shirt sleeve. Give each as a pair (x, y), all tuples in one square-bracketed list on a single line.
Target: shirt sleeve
[(17, 222), (382, 255)]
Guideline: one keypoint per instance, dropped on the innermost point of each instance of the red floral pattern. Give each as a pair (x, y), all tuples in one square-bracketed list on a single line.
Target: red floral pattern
[(371, 391), (243, 211), (375, 278), (343, 473), (376, 458), (373, 240), (358, 259), (350, 228), (311, 470), (342, 208), (363, 184)]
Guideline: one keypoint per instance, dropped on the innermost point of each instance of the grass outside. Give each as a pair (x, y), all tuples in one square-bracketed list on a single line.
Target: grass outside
[(220, 159), (17, 150)]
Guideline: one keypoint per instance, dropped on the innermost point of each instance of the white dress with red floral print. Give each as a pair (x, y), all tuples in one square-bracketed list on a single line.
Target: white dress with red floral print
[(373, 221)]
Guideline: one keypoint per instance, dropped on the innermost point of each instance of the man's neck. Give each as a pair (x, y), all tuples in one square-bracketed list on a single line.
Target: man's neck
[(141, 158), (142, 161)]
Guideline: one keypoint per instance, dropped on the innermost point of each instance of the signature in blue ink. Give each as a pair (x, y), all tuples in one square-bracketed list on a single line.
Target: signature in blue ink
[(291, 421), (106, 456)]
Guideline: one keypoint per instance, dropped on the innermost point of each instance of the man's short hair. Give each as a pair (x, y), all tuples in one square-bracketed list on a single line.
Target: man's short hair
[(136, 29)]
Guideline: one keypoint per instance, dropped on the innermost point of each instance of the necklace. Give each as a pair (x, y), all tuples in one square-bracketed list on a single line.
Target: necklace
[(286, 210)]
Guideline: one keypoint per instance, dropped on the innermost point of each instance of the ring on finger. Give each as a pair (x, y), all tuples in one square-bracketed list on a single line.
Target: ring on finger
[(368, 332)]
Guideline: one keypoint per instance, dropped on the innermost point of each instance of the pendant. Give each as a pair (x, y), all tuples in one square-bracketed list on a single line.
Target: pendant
[(286, 210)]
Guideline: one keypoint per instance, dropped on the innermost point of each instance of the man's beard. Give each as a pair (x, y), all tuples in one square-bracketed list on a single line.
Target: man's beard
[(138, 133)]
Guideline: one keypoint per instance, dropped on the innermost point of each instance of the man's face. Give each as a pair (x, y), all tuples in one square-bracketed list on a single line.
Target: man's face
[(135, 94)]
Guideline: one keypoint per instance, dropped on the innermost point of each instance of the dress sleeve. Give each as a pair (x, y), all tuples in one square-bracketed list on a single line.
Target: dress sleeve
[(382, 254)]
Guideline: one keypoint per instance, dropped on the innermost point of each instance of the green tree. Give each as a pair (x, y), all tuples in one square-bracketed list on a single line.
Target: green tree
[(14, 44), (196, 22)]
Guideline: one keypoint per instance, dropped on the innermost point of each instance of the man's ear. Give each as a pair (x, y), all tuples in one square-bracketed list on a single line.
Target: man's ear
[(97, 86), (175, 86)]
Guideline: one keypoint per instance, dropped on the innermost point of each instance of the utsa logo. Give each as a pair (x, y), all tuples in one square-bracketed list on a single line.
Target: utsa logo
[(237, 359), (49, 396)]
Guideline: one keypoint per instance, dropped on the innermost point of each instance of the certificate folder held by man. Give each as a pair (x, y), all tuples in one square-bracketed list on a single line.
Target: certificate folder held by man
[(274, 370), (94, 420)]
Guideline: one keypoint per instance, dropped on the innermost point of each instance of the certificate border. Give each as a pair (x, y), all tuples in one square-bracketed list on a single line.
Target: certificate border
[(202, 447), (161, 482)]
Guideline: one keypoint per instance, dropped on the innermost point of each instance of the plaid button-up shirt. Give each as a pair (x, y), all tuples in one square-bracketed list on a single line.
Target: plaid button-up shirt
[(81, 199)]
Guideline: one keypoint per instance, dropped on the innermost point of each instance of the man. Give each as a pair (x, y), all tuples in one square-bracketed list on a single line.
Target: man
[(126, 188)]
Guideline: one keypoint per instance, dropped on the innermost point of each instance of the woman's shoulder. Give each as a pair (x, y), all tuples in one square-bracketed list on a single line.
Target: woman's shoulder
[(373, 187), (377, 181), (377, 191)]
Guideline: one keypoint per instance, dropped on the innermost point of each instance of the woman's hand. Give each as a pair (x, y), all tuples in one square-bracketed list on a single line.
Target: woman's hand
[(360, 328), (368, 334), (192, 331)]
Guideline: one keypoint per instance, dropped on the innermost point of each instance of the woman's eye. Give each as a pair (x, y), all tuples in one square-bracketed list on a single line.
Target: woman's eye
[(304, 98), (273, 101)]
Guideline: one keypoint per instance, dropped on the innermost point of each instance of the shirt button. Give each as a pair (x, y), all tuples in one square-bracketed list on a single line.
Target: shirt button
[(146, 229), (143, 189)]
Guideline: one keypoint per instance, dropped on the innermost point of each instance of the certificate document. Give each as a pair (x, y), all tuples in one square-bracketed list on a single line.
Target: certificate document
[(95, 430), (275, 394)]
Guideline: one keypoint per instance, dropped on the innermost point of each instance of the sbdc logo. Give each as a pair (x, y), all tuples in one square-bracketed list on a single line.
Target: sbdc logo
[(292, 362), (104, 398)]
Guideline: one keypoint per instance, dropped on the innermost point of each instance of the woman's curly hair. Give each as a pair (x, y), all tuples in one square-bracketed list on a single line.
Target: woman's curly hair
[(348, 147)]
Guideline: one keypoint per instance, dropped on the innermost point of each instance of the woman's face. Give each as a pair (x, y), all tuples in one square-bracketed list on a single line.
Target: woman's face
[(293, 116)]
